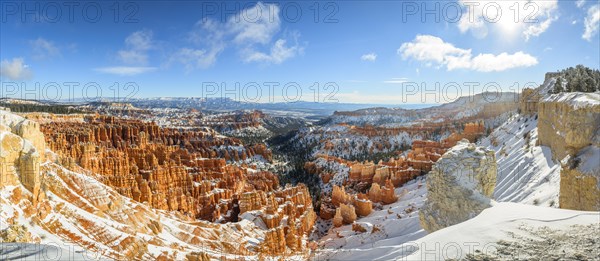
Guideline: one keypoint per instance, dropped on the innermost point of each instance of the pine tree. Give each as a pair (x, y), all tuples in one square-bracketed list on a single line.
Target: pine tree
[(558, 86)]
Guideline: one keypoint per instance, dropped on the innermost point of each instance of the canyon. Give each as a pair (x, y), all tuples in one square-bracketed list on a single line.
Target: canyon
[(135, 181)]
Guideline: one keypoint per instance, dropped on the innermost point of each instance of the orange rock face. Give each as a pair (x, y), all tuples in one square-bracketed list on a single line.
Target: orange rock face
[(345, 214), (377, 181), (184, 171), (363, 205), (170, 169)]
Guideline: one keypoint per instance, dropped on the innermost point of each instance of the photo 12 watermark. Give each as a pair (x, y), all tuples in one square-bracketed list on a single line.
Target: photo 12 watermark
[(469, 11), (69, 91), (69, 11), (290, 12), (271, 91)]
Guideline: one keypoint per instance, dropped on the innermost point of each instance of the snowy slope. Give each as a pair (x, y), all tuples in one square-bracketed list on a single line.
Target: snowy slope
[(393, 225), (504, 222), (526, 175), (495, 224), (526, 172)]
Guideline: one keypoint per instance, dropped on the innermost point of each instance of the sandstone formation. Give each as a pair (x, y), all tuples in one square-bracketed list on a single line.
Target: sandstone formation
[(383, 194), (345, 214), (528, 101), (459, 186), (126, 190), (376, 181), (568, 124), (170, 169), (22, 149)]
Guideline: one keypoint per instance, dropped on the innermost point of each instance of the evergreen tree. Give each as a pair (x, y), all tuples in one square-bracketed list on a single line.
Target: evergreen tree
[(558, 86)]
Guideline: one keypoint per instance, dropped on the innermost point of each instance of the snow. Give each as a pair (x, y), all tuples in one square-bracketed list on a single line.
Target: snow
[(397, 223), (575, 99), (526, 172), (527, 175), (590, 160), (489, 227), (480, 233)]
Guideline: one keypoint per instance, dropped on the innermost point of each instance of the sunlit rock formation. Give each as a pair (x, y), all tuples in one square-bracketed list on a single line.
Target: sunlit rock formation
[(459, 186), (568, 124), (44, 201)]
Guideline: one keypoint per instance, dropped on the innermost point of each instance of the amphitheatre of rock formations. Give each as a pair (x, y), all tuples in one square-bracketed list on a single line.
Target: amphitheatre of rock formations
[(371, 183), (139, 168)]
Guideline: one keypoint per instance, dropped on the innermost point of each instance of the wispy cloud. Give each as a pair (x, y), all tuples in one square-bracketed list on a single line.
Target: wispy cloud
[(125, 70), (137, 45), (591, 22), (356, 81), (371, 57), (15, 69), (255, 39), (580, 3), (397, 80), (279, 52), (434, 51), (43, 49)]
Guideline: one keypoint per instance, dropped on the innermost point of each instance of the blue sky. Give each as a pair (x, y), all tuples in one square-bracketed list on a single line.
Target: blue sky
[(363, 51)]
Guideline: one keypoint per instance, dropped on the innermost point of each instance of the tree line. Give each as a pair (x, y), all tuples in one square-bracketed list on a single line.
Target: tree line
[(577, 79)]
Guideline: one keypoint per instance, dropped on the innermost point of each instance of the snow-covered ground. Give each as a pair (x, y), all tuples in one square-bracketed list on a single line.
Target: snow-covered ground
[(526, 172), (386, 228), (523, 222), (488, 233), (495, 224)]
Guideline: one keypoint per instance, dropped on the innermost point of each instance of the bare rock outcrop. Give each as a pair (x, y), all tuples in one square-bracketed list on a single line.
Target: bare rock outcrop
[(459, 187), (22, 149), (569, 122)]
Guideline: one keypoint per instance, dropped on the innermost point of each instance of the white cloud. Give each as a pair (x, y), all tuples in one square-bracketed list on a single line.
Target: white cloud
[(140, 40), (125, 70), (208, 38), (15, 69), (279, 53), (257, 24), (580, 3), (397, 80), (251, 31), (43, 49), (509, 18), (434, 51), (591, 22), (371, 57), (502, 62), (195, 58), (537, 29), (137, 45)]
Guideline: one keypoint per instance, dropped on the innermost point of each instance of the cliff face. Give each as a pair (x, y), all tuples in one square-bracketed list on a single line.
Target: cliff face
[(568, 124), (22, 149), (459, 187)]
